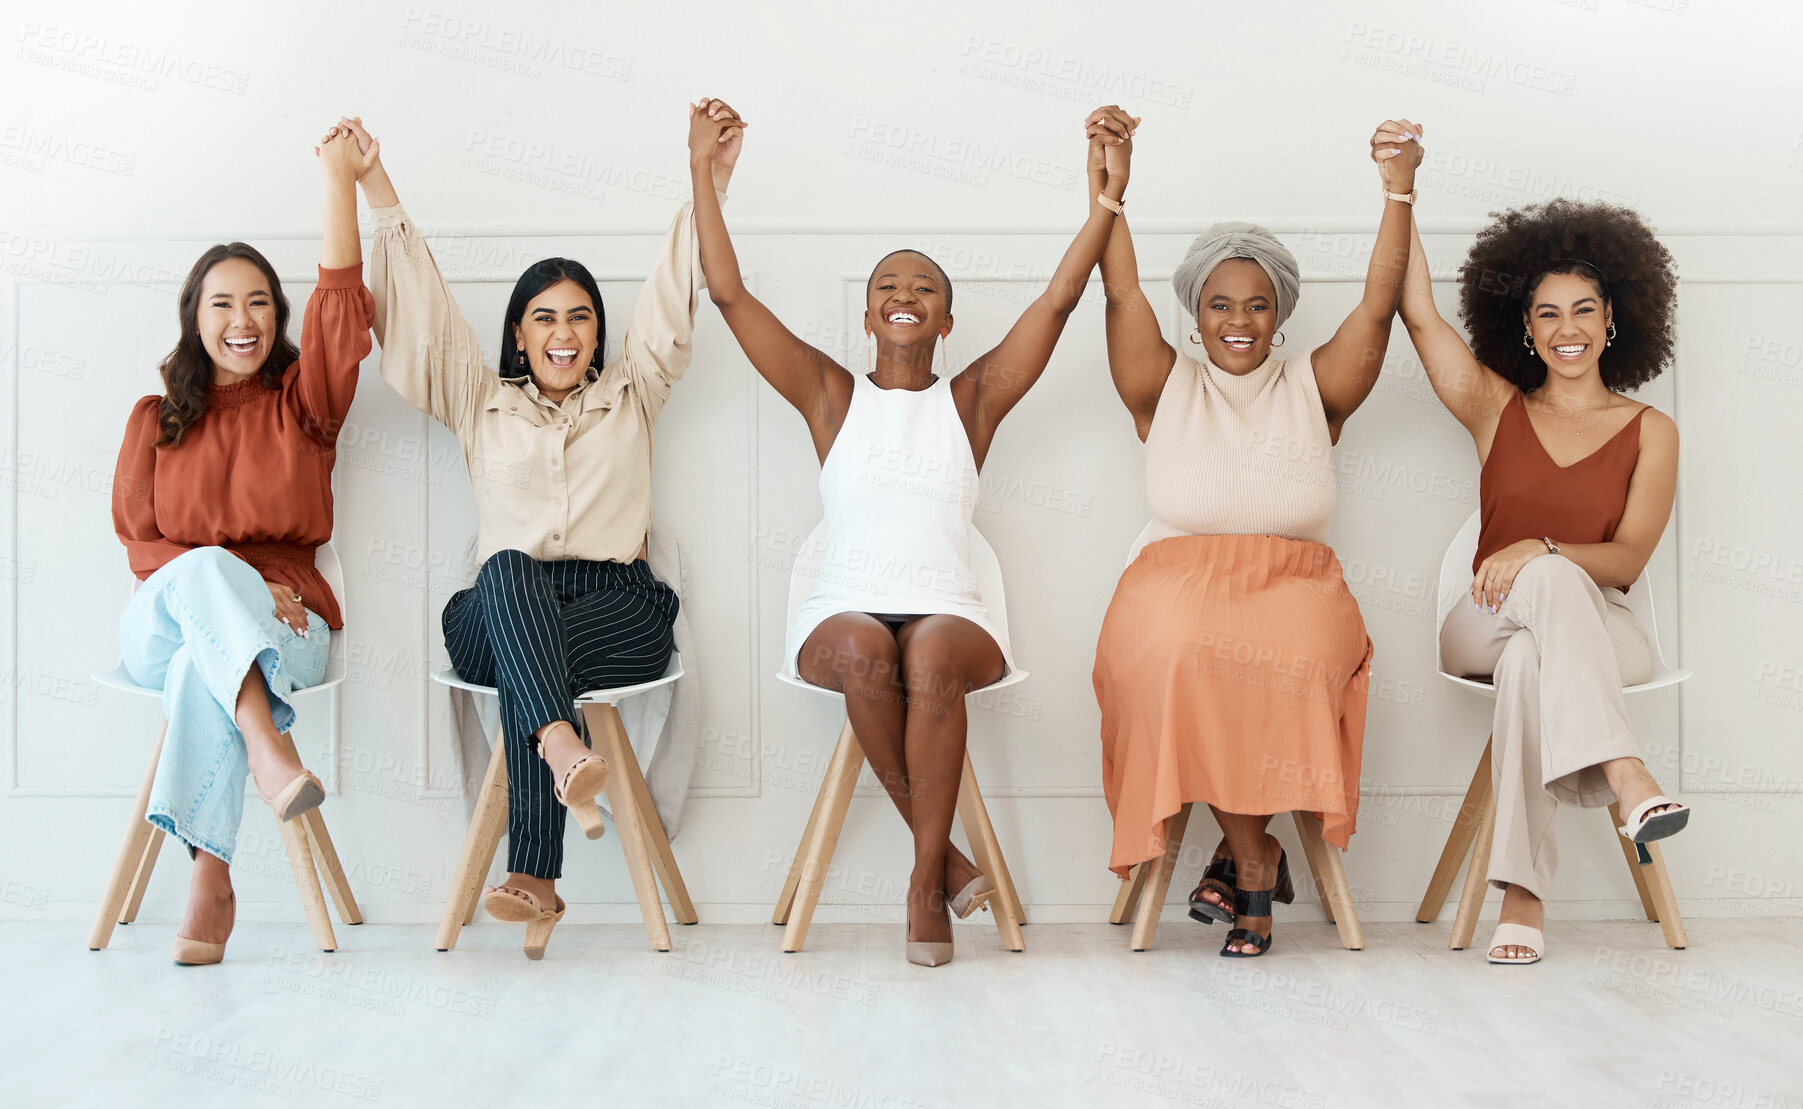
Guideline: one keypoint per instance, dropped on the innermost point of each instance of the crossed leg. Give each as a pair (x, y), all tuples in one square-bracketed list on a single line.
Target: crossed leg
[(904, 696)]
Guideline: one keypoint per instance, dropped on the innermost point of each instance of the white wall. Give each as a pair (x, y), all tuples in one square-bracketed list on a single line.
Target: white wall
[(131, 139)]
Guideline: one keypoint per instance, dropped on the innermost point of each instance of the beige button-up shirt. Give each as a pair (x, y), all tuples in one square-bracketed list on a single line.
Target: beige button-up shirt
[(557, 481)]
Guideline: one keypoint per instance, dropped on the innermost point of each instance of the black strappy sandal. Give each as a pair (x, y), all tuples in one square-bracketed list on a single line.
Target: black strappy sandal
[(1258, 903), (1222, 875)]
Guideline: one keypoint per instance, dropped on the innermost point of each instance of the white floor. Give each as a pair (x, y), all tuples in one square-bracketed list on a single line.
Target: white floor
[(1611, 1018)]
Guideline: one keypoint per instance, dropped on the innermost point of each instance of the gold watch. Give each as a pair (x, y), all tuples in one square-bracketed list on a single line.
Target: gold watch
[(1551, 547)]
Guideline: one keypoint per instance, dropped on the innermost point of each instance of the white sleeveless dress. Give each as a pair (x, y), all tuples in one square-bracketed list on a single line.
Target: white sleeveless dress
[(899, 486)]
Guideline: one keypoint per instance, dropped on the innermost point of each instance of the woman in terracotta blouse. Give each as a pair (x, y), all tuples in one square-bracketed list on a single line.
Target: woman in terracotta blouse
[(1569, 306), (558, 447), (222, 495)]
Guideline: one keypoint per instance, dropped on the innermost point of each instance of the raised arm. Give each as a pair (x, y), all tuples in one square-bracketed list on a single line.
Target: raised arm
[(335, 326), (1139, 359), (797, 371), (1347, 365), (995, 382), (430, 354), (1473, 393)]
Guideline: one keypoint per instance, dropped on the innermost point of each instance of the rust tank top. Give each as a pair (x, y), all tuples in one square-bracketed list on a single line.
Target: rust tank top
[(1524, 494)]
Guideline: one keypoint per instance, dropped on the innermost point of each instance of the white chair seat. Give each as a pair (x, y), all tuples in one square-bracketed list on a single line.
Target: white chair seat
[(611, 696)]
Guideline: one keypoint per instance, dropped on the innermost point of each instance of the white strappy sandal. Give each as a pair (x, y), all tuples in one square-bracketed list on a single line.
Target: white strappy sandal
[(1518, 935), (1642, 828)]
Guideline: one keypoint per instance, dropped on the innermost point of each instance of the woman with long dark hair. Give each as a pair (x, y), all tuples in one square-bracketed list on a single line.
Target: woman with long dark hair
[(222, 495), (558, 445), (1568, 306), (895, 622)]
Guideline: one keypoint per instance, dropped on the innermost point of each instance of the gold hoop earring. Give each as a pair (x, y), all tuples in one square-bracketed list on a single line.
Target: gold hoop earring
[(1277, 341), (1610, 341), (1527, 340), (1195, 335)]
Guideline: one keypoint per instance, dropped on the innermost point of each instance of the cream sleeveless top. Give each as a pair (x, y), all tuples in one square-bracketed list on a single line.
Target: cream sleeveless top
[(1246, 455)]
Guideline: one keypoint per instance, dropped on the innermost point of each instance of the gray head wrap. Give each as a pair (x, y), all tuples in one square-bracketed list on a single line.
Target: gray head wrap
[(1238, 240)]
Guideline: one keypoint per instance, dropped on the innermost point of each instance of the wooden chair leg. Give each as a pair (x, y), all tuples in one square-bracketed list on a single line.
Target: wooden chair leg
[(816, 852), (141, 878), (130, 858), (1471, 899), (1128, 897), (629, 822), (1005, 905), (325, 857), (786, 899), (1326, 863), (661, 856), (1310, 837), (478, 848), (1458, 842), (306, 880), (1663, 897), (1158, 882), (1635, 868)]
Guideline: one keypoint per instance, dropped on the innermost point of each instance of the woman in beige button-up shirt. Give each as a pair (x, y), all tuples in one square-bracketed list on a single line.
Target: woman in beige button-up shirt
[(558, 447)]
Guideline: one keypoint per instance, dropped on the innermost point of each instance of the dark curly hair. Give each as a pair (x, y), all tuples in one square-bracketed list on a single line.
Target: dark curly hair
[(1608, 245), (188, 369)]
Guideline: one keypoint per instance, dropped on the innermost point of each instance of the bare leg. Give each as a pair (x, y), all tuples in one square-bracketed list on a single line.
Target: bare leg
[(1255, 853), (273, 760), (211, 904), (856, 655), (943, 658)]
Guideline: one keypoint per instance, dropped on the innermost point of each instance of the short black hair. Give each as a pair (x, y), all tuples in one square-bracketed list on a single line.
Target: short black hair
[(538, 277), (1606, 244), (870, 282)]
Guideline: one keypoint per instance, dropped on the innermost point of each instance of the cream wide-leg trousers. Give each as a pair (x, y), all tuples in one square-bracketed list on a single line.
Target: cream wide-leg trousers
[(1559, 650)]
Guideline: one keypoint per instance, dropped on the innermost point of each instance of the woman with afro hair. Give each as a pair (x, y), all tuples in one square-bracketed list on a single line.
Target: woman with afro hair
[(1568, 306)]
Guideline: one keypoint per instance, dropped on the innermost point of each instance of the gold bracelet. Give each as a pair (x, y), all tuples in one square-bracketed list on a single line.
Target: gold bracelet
[(1111, 204)]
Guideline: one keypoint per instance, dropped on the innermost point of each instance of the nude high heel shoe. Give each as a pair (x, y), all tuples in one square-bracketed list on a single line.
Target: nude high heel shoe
[(924, 954), (196, 953), (580, 785), (516, 906), (975, 895), (303, 794)]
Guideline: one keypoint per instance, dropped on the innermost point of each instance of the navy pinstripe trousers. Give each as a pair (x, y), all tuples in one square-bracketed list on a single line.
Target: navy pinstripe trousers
[(542, 633)]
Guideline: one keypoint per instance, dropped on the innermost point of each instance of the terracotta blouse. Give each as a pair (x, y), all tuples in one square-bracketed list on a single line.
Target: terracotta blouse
[(1524, 494), (254, 474)]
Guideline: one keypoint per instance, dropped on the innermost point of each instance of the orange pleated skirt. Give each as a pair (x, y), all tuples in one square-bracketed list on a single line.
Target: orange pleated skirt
[(1231, 670)]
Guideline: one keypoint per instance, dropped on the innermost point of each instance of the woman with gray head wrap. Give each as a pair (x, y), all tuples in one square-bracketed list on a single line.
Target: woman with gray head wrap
[(1232, 667)]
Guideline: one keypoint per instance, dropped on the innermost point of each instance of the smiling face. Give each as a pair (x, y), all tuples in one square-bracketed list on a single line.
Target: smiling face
[(1236, 313), (909, 301), (558, 334), (236, 319), (1569, 318)]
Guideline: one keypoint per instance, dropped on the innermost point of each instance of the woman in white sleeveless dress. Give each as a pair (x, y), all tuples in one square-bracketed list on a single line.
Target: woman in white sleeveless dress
[(896, 622)]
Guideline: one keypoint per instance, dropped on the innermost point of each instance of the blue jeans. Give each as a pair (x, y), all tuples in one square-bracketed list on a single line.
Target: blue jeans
[(193, 630)]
